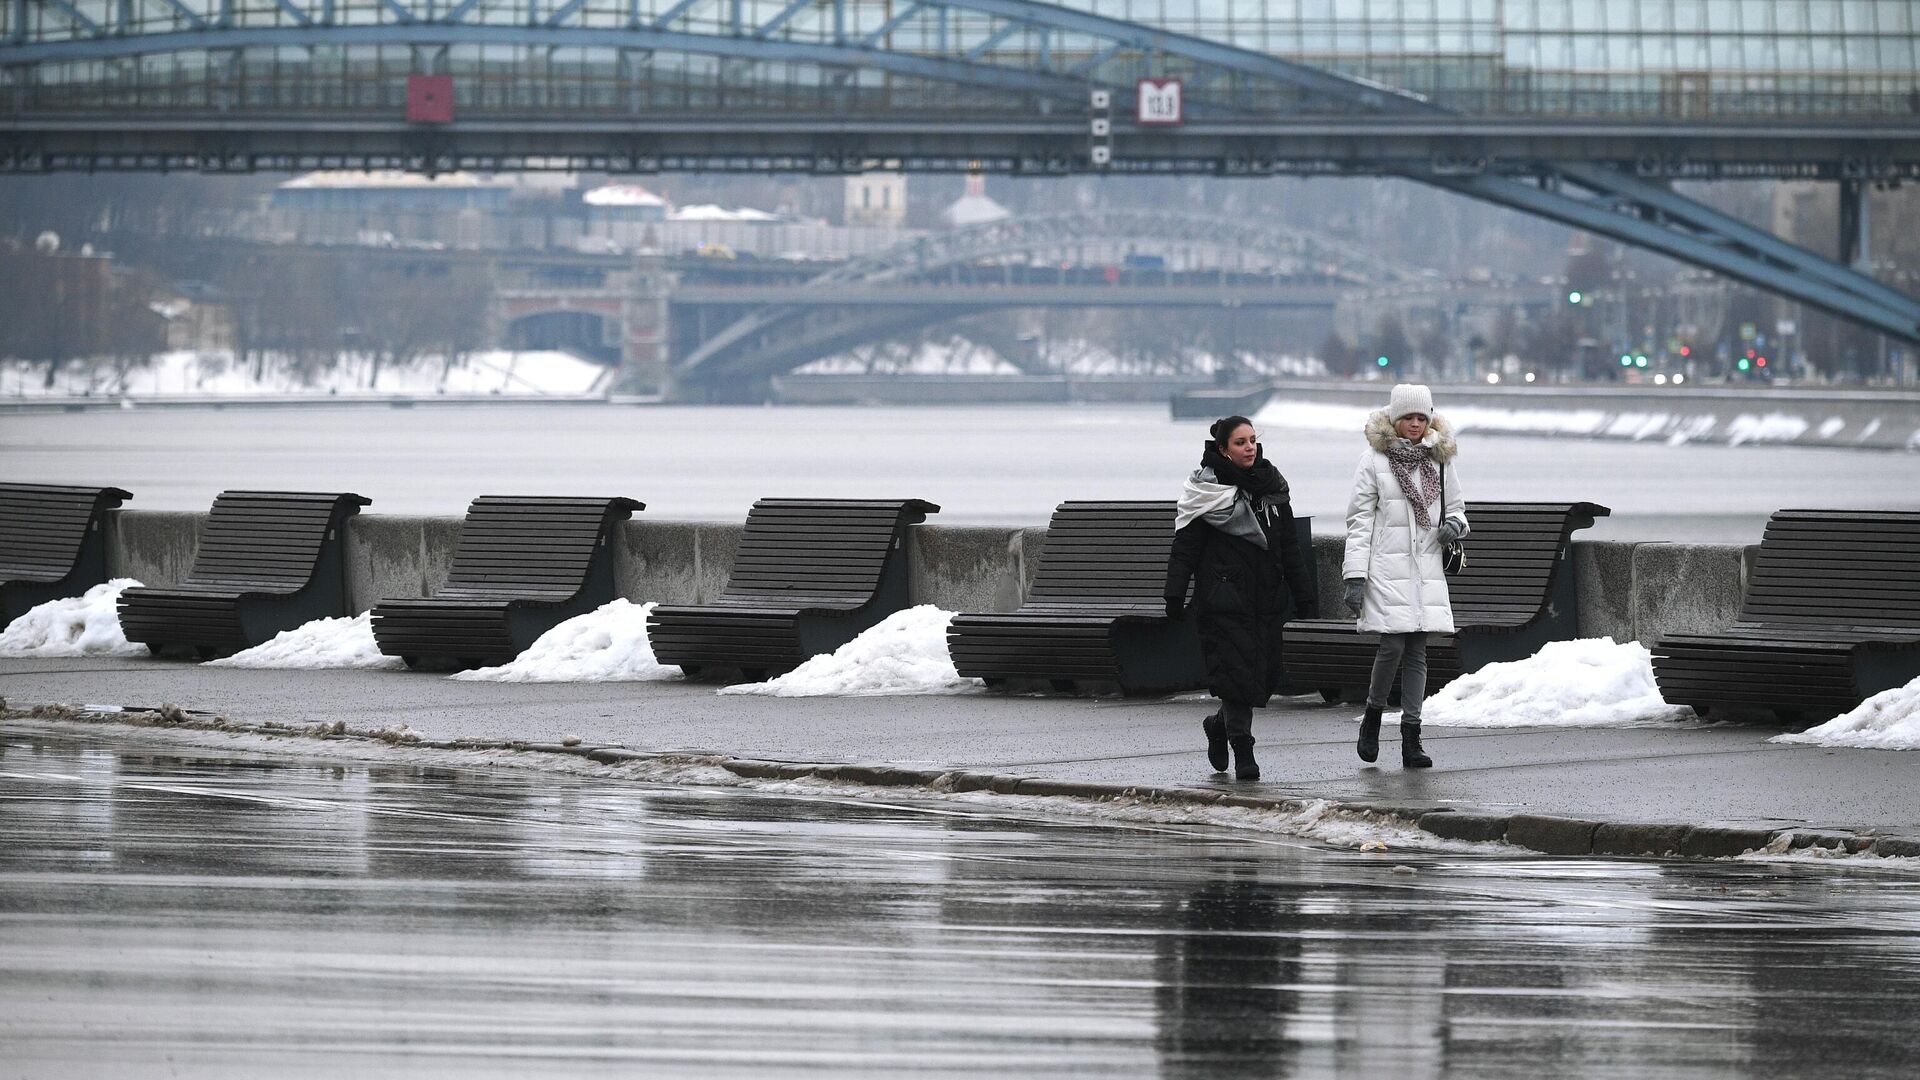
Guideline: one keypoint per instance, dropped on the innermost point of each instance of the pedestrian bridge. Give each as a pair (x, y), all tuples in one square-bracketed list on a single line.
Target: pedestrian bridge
[(1579, 112)]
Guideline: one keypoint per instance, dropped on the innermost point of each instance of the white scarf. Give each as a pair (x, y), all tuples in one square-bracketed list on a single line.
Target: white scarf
[(1221, 506)]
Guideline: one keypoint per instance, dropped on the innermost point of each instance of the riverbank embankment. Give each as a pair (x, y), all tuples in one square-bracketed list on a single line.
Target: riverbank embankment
[(1885, 418)]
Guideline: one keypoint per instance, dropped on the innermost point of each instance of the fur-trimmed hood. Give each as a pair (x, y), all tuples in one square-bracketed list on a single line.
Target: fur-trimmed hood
[(1380, 434)]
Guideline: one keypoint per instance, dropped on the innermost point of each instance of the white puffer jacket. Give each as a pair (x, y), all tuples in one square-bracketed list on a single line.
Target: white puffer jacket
[(1406, 586)]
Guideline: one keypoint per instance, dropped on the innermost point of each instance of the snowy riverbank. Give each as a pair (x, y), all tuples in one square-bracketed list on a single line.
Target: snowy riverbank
[(200, 377)]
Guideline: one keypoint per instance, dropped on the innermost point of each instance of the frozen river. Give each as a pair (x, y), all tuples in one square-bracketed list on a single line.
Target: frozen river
[(172, 911), (1003, 465)]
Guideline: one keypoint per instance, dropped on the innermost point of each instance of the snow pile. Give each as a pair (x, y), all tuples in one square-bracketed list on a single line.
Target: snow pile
[(1675, 428), (608, 644), (322, 643), (1889, 720), (1773, 427), (905, 654), (1590, 682), (1528, 421), (87, 625)]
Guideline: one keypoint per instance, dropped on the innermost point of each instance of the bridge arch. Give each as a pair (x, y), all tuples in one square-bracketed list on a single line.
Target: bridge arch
[(781, 337), (588, 333)]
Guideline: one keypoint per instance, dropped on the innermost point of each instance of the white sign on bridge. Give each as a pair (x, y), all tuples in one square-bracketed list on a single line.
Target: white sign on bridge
[(1159, 102)]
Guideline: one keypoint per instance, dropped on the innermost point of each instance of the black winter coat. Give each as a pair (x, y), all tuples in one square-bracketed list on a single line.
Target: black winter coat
[(1242, 596)]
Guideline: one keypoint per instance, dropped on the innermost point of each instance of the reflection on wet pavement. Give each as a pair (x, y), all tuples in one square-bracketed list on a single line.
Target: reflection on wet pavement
[(198, 913)]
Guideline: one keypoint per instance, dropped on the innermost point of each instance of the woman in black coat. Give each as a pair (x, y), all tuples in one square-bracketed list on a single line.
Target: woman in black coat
[(1234, 539)]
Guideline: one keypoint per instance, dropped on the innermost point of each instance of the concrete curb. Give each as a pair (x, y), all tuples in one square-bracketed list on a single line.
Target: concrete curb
[(1547, 834)]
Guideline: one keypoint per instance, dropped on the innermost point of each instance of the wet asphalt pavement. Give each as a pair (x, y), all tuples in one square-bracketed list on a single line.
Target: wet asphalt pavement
[(1690, 773), (168, 911)]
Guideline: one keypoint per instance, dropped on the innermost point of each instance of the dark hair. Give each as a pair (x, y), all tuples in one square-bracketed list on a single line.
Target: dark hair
[(1223, 429)]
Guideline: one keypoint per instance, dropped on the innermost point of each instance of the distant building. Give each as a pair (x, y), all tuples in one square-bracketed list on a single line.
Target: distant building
[(391, 192), (974, 208), (878, 199), (621, 203), (392, 208)]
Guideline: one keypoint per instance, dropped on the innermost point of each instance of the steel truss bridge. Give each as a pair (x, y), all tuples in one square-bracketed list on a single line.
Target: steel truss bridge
[(842, 86)]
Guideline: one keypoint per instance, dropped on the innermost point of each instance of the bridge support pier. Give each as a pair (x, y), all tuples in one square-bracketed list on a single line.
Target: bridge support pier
[(644, 364), (1854, 223)]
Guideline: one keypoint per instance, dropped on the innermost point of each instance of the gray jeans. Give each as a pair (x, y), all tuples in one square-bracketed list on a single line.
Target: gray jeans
[(1404, 655), (1238, 716)]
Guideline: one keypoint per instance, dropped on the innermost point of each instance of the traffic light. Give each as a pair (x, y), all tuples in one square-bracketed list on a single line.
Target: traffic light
[(1574, 296), (1382, 361)]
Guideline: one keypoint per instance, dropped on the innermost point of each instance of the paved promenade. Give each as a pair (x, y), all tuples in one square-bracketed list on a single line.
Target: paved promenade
[(1545, 788)]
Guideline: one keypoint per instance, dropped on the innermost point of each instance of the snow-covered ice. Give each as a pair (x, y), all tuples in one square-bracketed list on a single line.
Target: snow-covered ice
[(345, 642), (1589, 682), (1889, 720), (906, 653), (86, 625), (608, 644)]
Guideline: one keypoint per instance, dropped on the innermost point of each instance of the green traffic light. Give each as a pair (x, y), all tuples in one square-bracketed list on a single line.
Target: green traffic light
[(1574, 297), (1383, 361), (1626, 361), (1745, 363)]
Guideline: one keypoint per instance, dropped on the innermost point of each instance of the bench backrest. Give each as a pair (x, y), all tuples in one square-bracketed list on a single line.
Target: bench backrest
[(42, 526), (819, 547), (1838, 567), (532, 544), (1105, 554), (268, 538), (1514, 558)]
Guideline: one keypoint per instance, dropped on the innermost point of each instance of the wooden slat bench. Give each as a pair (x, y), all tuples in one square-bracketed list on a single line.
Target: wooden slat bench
[(268, 561), (52, 543), (809, 575), (1831, 616), (1515, 594), (523, 566), (1095, 617)]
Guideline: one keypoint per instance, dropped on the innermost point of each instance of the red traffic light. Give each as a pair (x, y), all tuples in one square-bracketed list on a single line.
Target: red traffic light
[(1686, 350), (1761, 362)]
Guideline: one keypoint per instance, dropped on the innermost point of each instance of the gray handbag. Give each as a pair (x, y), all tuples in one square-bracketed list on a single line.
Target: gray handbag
[(1453, 553)]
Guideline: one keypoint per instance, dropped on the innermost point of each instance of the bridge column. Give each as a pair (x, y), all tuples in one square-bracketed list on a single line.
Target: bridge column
[(643, 339), (1854, 223)]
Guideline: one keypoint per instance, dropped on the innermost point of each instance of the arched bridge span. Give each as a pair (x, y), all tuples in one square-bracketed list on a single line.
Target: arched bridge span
[(1256, 265)]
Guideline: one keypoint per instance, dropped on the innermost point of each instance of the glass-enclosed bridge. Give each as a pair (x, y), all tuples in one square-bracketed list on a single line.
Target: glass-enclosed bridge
[(1578, 110)]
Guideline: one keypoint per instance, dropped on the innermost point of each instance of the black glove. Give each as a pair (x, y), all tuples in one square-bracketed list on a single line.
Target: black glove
[(1176, 606), (1356, 595), (1450, 530)]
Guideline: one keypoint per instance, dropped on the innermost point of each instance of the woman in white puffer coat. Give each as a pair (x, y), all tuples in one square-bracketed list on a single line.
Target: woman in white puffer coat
[(1396, 586)]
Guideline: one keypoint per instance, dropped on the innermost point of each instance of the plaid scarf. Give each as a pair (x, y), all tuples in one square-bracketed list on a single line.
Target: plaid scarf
[(1404, 457)]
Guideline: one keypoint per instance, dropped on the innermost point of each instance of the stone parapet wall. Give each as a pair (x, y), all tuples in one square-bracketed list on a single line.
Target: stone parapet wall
[(1627, 591)]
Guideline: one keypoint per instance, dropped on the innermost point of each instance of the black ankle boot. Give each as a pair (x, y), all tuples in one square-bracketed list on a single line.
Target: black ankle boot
[(1411, 755), (1216, 730), (1244, 767), (1369, 745)]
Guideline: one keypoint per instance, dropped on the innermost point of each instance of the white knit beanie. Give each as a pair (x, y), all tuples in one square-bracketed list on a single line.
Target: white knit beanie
[(1410, 398)]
